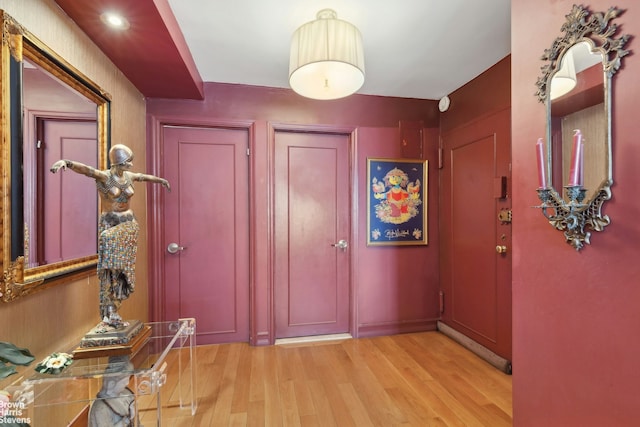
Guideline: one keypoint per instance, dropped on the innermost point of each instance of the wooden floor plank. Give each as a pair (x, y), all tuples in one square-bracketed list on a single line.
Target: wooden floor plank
[(272, 403), (242, 382), (324, 412), (373, 394), (419, 379), (255, 414)]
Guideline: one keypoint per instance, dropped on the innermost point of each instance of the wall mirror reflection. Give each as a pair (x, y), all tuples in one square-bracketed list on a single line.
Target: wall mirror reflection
[(49, 221), (58, 123), (577, 101)]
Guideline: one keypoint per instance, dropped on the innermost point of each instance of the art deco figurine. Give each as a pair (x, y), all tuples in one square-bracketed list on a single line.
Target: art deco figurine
[(115, 404), (117, 228)]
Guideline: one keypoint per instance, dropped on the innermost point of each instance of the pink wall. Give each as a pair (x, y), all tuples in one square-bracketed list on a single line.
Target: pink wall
[(576, 315), (395, 288)]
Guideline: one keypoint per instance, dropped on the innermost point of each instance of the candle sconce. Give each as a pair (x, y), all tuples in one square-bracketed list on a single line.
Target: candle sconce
[(590, 48), (573, 217)]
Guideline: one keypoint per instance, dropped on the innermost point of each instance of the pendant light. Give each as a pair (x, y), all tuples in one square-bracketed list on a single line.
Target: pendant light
[(564, 80), (327, 59)]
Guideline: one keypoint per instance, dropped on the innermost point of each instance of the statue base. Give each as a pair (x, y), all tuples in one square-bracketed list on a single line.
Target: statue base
[(106, 340), (104, 334)]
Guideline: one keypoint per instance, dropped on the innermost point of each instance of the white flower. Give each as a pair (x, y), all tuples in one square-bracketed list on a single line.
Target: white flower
[(56, 362)]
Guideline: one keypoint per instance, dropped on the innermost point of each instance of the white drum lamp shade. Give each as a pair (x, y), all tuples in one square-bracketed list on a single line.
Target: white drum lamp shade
[(564, 80), (327, 59)]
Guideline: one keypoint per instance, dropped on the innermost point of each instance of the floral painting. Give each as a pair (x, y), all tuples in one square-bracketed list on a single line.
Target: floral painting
[(396, 202)]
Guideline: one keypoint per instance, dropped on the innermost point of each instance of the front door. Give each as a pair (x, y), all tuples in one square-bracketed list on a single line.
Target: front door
[(311, 233), (476, 232), (206, 230)]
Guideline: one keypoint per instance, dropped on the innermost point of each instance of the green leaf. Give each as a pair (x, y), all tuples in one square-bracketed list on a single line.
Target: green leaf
[(6, 370), (12, 354)]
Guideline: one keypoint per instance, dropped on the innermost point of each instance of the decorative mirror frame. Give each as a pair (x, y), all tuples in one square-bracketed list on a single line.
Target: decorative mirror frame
[(17, 280), (574, 217)]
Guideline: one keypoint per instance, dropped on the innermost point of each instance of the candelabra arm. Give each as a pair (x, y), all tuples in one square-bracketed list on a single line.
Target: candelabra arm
[(573, 217)]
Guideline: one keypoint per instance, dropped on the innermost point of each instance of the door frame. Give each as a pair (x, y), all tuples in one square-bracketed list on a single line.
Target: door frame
[(351, 134), (261, 248), (155, 216)]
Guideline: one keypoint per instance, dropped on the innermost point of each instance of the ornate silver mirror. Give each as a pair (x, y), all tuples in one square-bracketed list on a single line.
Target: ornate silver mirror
[(49, 227), (575, 87)]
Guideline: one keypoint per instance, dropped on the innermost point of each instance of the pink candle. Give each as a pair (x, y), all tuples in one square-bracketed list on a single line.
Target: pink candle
[(542, 176), (581, 172), (574, 171)]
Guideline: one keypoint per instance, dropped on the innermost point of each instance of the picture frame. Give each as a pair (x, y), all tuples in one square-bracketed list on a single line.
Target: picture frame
[(396, 202)]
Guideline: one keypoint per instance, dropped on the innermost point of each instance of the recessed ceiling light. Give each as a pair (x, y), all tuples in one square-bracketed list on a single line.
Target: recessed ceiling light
[(114, 20)]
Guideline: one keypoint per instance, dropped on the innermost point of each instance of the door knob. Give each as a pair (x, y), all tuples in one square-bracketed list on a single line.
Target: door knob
[(174, 247), (342, 244), (501, 249)]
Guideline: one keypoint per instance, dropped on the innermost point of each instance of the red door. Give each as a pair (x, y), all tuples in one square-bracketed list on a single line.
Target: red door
[(206, 217), (64, 196), (311, 218), (476, 270)]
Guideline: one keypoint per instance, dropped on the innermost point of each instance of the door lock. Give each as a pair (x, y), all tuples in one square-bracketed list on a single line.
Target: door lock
[(504, 216), (501, 249)]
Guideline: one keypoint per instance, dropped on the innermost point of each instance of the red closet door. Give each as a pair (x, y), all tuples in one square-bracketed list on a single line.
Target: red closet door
[(207, 214), (311, 217)]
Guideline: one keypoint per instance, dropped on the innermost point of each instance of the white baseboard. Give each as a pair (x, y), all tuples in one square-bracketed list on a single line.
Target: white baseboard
[(313, 338)]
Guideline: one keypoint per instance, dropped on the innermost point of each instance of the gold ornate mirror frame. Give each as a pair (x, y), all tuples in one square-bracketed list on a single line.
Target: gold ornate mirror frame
[(18, 44), (574, 215)]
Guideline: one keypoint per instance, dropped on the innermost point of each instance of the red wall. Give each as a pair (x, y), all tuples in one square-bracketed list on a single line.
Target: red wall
[(483, 96), (576, 315), (395, 288)]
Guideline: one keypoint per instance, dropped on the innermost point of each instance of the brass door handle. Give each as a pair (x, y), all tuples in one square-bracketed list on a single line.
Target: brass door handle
[(501, 249)]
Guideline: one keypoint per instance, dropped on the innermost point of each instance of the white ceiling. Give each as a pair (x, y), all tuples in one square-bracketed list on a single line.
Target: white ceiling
[(413, 48)]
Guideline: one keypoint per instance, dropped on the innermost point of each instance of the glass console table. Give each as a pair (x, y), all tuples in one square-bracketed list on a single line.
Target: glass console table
[(159, 373)]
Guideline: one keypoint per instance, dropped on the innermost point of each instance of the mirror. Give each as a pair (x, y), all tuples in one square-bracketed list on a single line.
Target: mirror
[(57, 122), (576, 101), (54, 112), (575, 88)]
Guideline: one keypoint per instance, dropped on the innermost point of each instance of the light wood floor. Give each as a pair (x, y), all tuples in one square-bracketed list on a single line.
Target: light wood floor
[(420, 379)]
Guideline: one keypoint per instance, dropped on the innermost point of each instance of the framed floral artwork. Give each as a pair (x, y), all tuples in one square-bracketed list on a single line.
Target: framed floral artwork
[(396, 202)]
